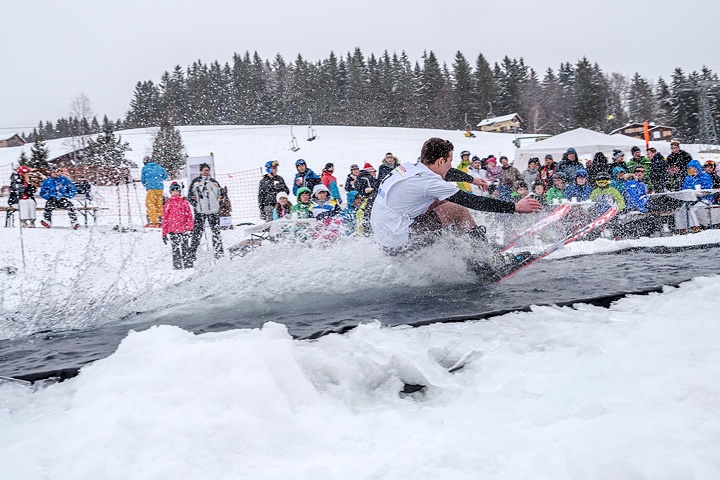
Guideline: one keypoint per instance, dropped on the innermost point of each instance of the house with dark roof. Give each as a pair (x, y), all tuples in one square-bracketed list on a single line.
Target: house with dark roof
[(635, 130)]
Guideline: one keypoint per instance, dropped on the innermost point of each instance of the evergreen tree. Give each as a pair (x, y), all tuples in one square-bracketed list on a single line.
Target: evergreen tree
[(533, 107), (485, 91), (39, 152), (145, 107), (357, 88), (23, 160), (588, 96), (107, 150), (430, 83), (685, 107), (642, 101), (168, 149), (663, 103), (462, 93)]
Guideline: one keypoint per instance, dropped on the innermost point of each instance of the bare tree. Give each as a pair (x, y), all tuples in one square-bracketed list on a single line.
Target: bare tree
[(81, 115)]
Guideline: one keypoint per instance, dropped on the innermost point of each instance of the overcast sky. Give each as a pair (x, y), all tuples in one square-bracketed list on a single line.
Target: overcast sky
[(56, 50)]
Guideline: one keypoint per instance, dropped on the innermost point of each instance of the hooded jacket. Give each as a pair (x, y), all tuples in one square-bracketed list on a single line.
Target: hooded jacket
[(60, 187), (177, 216), (702, 179), (19, 188), (329, 180), (309, 180), (205, 195), (322, 209), (618, 185), (152, 176), (303, 210), (267, 193)]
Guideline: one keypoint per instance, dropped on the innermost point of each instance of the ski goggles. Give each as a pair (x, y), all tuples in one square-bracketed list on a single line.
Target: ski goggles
[(603, 182)]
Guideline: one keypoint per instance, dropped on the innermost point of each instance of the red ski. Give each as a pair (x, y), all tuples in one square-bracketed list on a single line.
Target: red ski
[(556, 215), (601, 221)]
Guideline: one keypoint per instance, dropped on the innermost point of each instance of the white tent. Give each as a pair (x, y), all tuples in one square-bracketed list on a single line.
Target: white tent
[(585, 142)]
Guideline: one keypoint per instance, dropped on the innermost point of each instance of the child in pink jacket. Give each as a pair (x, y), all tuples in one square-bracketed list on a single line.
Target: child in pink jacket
[(177, 222)]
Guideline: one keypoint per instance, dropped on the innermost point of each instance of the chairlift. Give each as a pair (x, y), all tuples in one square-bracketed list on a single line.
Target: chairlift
[(293, 142), (312, 135)]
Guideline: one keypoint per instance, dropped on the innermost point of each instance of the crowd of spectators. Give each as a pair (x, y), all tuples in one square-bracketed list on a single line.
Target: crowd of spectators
[(595, 185)]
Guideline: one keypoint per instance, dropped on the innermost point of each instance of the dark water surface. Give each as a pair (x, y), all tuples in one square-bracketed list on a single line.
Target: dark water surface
[(546, 282)]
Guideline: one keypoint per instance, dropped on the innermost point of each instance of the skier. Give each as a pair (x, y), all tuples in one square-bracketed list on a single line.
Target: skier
[(178, 224), (419, 200), (204, 194), (152, 177)]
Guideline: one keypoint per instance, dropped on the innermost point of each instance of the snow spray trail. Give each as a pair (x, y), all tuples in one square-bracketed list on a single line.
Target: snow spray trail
[(319, 300)]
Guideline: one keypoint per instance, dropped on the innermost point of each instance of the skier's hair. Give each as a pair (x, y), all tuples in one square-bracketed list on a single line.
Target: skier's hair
[(435, 148)]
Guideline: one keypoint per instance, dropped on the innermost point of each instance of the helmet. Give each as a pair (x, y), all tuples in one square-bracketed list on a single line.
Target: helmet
[(561, 176), (270, 164), (175, 186), (464, 152), (581, 172), (299, 162)]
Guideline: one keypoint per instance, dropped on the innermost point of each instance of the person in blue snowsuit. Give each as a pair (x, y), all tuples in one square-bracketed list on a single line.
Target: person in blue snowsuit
[(349, 214), (580, 190), (635, 194), (304, 177), (618, 179), (57, 190)]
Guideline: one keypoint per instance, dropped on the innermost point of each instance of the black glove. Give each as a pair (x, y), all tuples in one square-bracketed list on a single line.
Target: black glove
[(164, 240)]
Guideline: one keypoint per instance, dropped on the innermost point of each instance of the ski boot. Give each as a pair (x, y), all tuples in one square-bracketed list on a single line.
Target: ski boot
[(499, 266), (478, 234)]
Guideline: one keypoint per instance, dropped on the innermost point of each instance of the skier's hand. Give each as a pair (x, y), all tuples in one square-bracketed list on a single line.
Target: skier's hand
[(527, 205), (369, 189), (164, 239), (479, 182)]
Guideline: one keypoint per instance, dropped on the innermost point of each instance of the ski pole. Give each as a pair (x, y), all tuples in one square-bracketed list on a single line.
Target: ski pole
[(22, 242)]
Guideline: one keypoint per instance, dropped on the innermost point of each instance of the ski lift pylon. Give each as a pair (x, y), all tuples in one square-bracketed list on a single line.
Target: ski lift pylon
[(312, 135), (293, 142)]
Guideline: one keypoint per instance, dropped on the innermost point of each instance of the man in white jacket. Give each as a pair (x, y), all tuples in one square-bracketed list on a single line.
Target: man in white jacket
[(205, 195)]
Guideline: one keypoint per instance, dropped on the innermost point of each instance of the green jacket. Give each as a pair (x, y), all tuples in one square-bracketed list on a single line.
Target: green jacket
[(302, 209), (554, 193)]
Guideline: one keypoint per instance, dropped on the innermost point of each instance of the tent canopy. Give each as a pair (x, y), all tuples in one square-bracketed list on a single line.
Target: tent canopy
[(585, 142)]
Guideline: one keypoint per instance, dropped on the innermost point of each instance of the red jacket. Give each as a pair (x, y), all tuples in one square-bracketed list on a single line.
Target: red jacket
[(177, 216)]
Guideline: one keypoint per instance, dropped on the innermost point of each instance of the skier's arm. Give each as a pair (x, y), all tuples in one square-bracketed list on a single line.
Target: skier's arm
[(485, 204), (455, 175)]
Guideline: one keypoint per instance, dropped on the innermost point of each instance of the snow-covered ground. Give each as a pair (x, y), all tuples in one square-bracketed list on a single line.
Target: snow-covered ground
[(626, 392)]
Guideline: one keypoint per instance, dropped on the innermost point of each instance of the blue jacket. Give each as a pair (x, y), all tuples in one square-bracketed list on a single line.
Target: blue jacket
[(62, 187), (152, 176), (310, 179), (702, 179), (576, 191), (635, 196), (349, 214)]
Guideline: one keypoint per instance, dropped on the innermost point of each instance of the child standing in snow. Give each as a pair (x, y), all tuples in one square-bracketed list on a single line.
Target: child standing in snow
[(178, 224)]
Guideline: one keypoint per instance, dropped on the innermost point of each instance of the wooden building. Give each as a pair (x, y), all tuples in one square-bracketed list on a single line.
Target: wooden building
[(505, 124), (635, 130), (13, 141)]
